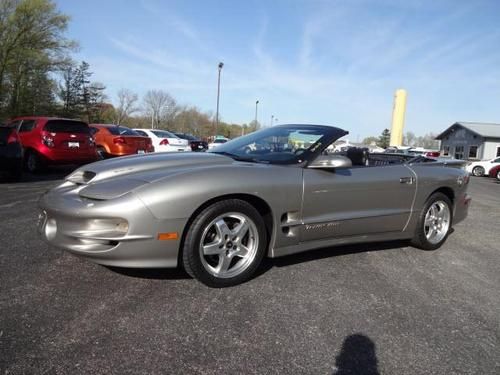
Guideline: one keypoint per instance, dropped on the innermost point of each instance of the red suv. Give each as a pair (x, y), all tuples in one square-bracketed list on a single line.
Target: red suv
[(49, 140)]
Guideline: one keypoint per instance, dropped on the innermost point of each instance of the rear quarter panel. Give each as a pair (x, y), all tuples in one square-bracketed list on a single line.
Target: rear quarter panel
[(431, 178)]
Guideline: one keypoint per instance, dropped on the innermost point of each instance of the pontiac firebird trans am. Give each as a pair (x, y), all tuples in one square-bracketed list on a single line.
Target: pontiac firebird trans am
[(273, 192)]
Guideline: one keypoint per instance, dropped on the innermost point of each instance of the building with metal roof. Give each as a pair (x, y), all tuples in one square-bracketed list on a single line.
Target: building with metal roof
[(471, 141)]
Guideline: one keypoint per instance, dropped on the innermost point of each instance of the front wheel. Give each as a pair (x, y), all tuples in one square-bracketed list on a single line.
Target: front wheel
[(434, 223), (225, 244), (478, 171), (498, 175)]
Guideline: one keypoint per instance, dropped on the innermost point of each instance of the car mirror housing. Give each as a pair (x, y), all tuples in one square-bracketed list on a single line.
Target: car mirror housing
[(331, 162)]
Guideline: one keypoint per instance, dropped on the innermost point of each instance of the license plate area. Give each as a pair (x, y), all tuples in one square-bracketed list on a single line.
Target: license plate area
[(141, 151), (73, 144)]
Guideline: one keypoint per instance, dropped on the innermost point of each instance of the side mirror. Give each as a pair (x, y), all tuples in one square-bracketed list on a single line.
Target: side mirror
[(331, 162)]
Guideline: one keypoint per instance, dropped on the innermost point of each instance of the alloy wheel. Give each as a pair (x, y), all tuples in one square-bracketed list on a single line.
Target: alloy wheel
[(229, 244), (437, 222)]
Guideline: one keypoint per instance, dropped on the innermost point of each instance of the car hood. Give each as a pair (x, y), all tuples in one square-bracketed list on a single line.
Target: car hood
[(114, 177)]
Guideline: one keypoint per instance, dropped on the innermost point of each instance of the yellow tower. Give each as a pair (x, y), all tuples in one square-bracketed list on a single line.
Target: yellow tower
[(398, 118)]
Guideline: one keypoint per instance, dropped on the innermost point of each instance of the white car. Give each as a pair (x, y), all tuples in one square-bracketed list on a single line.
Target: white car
[(165, 141), (217, 142), (481, 168)]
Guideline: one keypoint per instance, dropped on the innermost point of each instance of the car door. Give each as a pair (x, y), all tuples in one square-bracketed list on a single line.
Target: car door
[(356, 201), (25, 132)]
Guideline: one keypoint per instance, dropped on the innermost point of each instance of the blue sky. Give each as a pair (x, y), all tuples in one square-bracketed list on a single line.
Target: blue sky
[(328, 62)]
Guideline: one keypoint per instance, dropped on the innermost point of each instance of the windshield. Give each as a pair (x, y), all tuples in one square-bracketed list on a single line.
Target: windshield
[(284, 144)]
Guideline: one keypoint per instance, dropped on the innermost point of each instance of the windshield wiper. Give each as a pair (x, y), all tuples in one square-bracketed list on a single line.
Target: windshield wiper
[(240, 158)]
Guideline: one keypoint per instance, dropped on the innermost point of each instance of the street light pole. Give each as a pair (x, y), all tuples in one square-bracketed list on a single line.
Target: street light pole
[(256, 106), (221, 64), (272, 120)]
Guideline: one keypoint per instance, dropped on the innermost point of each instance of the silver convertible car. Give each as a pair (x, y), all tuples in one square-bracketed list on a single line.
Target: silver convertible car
[(271, 193)]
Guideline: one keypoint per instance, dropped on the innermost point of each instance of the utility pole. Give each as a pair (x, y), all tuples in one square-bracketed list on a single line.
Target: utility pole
[(221, 64), (256, 108)]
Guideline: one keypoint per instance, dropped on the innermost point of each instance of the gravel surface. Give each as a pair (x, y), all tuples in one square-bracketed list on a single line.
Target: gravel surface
[(374, 308)]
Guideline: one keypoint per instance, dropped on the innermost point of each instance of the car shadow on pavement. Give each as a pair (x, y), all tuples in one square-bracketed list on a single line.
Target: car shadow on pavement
[(152, 273), (357, 357), (328, 252), (267, 263)]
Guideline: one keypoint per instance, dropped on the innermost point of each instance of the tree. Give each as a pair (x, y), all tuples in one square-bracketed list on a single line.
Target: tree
[(127, 101), (409, 139), (384, 139), (160, 106), (370, 140), (32, 46)]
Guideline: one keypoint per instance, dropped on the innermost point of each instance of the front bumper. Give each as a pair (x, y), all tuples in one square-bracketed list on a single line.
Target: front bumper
[(84, 227)]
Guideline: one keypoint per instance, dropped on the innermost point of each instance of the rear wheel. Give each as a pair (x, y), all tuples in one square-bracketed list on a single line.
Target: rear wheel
[(34, 162), (434, 223), (225, 244), (101, 151), (478, 171), (498, 175)]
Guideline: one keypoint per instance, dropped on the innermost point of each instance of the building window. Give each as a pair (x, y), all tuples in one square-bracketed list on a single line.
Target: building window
[(459, 152), (498, 151), (473, 152), (446, 151)]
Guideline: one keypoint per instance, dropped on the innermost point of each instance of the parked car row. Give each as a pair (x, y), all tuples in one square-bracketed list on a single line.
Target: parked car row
[(36, 142), (483, 167)]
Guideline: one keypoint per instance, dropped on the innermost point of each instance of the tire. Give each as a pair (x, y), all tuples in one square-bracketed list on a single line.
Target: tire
[(218, 250), (498, 176), (34, 162), (434, 223), (101, 151), (478, 171)]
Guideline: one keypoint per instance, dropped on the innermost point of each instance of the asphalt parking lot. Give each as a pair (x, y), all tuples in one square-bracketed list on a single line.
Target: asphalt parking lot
[(378, 308)]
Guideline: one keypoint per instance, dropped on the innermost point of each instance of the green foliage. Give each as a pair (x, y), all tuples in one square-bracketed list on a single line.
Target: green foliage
[(80, 97), (384, 139), (32, 46)]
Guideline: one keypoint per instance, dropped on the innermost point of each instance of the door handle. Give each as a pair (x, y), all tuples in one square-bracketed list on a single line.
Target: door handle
[(406, 180)]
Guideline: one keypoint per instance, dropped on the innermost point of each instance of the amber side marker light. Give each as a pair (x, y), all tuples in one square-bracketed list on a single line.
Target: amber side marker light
[(168, 236)]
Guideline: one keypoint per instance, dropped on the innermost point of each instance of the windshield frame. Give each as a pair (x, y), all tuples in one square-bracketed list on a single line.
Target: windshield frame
[(330, 134)]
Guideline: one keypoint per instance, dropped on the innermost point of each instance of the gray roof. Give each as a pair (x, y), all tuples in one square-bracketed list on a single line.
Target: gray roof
[(483, 129)]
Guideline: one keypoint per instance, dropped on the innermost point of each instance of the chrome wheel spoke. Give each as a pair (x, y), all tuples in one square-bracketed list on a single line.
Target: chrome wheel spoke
[(241, 230), (224, 263), (243, 251), (214, 248), (222, 228)]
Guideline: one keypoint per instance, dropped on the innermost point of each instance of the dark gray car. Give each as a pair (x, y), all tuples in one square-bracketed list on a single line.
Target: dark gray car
[(270, 193)]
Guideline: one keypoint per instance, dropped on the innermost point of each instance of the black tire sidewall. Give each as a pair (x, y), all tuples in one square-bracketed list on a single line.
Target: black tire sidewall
[(38, 166), (420, 240), (190, 252)]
